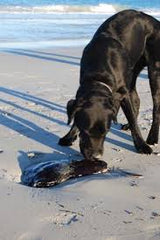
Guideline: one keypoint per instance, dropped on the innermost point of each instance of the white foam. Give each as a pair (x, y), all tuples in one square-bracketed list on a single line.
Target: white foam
[(104, 8), (153, 12), (101, 8), (83, 9)]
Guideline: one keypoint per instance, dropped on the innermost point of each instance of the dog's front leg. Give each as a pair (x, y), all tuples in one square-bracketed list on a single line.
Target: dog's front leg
[(70, 137), (139, 142)]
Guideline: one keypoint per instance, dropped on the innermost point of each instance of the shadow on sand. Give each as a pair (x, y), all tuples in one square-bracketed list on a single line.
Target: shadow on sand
[(60, 58), (48, 56), (31, 130), (35, 132)]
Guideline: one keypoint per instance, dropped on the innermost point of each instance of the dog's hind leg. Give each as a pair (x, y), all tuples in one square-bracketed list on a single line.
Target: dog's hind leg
[(154, 77), (70, 137)]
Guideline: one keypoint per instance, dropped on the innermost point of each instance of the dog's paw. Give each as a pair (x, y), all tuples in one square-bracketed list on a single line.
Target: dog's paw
[(65, 141), (152, 140), (144, 148), (125, 127)]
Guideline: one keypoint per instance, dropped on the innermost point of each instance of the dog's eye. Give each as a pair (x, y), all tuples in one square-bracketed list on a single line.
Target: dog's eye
[(87, 105), (97, 134), (98, 130)]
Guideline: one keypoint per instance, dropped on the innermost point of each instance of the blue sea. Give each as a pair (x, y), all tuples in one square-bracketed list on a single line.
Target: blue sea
[(53, 23)]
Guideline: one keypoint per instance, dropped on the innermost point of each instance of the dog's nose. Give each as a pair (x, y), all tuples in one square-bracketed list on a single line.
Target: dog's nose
[(97, 156)]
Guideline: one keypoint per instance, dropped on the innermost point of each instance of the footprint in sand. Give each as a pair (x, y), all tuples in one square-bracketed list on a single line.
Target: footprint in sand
[(61, 219), (30, 236), (65, 219), (4, 174)]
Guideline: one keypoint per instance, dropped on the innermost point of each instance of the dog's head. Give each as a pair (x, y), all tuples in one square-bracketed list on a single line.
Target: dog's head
[(93, 118)]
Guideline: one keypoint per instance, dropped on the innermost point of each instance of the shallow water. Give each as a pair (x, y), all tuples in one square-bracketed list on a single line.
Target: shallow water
[(49, 23)]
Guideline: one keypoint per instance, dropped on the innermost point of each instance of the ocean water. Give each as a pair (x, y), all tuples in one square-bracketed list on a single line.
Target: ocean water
[(53, 23)]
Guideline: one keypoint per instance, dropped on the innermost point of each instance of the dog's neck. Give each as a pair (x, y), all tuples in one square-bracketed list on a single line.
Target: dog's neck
[(105, 85), (86, 88)]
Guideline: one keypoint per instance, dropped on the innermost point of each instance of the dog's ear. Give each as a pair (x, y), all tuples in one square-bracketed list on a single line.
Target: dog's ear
[(73, 106), (71, 109)]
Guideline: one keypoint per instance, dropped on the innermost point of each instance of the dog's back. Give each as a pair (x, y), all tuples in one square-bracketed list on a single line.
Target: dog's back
[(132, 29), (105, 60)]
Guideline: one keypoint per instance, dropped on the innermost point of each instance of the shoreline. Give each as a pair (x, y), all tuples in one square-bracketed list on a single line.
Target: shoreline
[(49, 29), (65, 43), (35, 87)]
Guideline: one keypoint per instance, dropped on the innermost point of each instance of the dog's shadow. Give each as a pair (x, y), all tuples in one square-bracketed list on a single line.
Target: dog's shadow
[(124, 140)]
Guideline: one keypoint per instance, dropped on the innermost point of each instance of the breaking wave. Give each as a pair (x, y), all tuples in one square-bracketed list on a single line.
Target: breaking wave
[(100, 8)]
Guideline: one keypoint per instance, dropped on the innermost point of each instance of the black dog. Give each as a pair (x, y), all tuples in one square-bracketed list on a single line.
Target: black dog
[(122, 46)]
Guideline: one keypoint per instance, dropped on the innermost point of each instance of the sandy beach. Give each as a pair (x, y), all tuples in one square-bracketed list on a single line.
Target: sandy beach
[(35, 87)]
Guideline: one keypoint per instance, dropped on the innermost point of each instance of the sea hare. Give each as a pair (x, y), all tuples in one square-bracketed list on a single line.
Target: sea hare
[(51, 173)]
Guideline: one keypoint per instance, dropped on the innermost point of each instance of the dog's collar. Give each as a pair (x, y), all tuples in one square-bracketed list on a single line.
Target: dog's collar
[(105, 85)]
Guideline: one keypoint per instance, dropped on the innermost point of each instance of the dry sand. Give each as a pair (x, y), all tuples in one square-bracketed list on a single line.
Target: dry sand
[(35, 86)]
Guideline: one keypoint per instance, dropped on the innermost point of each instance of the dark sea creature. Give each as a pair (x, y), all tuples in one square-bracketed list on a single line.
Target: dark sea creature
[(47, 174)]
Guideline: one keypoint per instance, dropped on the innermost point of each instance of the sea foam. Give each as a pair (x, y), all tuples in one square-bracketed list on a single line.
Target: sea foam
[(100, 8)]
